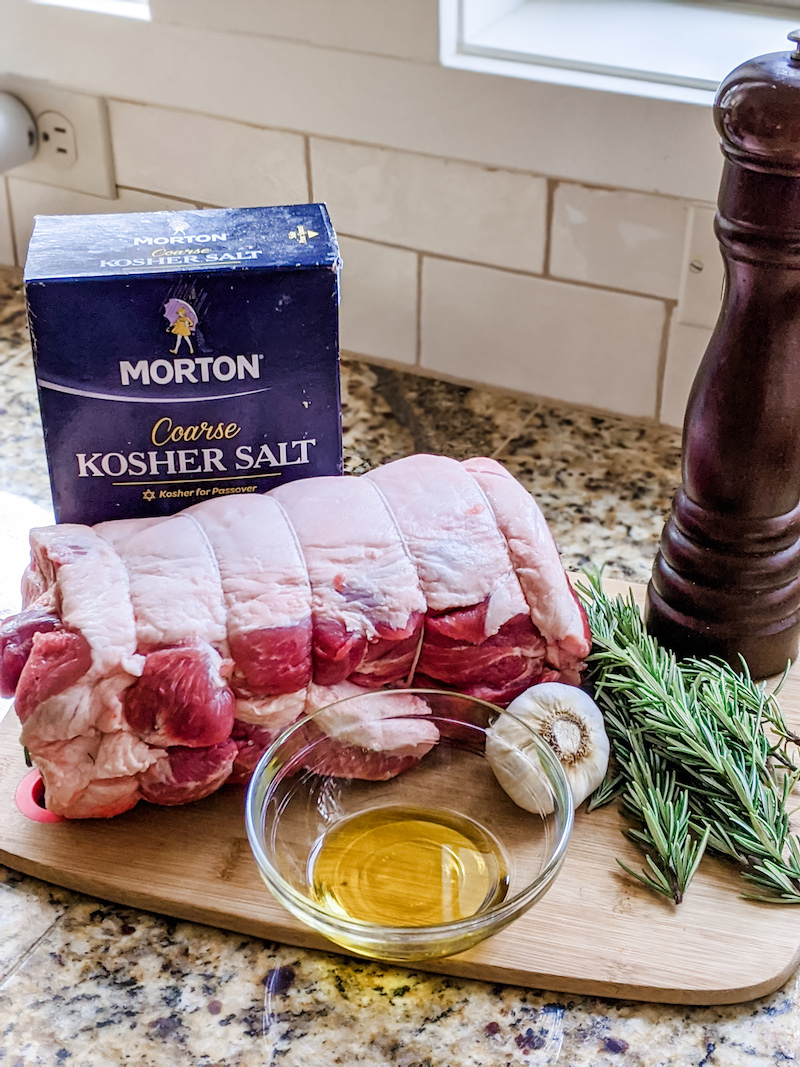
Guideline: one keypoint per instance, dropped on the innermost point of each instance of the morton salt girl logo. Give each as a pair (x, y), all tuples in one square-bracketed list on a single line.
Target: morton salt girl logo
[(183, 320)]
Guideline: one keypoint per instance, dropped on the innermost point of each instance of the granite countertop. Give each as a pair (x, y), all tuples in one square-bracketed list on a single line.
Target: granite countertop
[(91, 984)]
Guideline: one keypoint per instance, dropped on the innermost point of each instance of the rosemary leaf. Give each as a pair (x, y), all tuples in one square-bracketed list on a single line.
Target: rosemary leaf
[(658, 884), (608, 790)]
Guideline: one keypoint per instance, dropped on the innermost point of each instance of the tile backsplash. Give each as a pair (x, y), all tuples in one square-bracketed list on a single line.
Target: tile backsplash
[(594, 296), (618, 239), (584, 345), (205, 159), (380, 308), (686, 347), (441, 206)]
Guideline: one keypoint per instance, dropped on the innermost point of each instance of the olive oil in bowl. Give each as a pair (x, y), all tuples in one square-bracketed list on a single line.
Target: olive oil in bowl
[(406, 866), (413, 867)]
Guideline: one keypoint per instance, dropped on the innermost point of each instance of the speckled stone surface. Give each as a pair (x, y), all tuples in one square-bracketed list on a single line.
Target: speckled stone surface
[(88, 984), (22, 461)]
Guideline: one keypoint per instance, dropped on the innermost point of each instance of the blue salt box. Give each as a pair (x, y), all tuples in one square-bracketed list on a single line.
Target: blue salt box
[(182, 356)]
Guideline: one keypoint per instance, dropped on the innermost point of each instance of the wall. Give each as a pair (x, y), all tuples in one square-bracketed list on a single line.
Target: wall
[(529, 237)]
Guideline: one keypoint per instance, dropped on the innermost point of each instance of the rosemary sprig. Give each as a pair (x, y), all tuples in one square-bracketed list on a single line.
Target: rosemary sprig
[(654, 798), (693, 763)]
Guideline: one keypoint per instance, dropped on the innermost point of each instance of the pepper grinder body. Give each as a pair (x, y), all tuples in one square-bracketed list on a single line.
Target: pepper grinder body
[(726, 580)]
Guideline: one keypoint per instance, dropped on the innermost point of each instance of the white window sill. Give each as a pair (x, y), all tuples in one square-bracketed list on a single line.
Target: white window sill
[(660, 49), (131, 9)]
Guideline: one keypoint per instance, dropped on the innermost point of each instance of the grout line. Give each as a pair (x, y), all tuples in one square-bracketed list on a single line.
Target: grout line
[(151, 192), (480, 164), (670, 307), (548, 225), (418, 361), (688, 235), (309, 175), (505, 270), (552, 184)]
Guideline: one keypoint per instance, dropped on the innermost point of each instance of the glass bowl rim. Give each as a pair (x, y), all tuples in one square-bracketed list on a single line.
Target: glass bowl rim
[(504, 911)]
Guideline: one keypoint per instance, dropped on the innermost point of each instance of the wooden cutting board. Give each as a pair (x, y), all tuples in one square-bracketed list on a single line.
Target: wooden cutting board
[(595, 932)]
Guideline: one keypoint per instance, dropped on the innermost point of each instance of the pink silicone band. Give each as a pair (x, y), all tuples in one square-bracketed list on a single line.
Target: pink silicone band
[(29, 795)]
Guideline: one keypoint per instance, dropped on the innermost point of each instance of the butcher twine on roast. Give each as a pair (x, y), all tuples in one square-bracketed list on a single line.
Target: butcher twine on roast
[(158, 658)]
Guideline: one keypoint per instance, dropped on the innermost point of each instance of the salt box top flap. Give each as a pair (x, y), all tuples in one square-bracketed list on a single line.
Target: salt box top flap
[(295, 237)]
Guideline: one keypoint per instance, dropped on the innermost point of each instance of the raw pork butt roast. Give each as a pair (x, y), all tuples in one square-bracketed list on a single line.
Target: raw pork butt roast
[(157, 658)]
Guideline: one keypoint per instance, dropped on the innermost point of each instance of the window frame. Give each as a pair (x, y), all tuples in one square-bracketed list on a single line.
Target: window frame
[(536, 39)]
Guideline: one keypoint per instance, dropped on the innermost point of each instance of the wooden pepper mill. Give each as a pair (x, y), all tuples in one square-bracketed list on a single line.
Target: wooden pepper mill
[(726, 580)]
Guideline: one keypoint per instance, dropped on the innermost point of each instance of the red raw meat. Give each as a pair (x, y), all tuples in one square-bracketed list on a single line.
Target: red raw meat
[(160, 657), (496, 668), (56, 661), (337, 651), (16, 641), (270, 662), (554, 607), (251, 743), (187, 774), (181, 699), (479, 637), (390, 656)]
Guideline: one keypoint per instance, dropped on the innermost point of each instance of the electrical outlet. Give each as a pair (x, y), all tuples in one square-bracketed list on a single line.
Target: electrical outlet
[(74, 137), (57, 140)]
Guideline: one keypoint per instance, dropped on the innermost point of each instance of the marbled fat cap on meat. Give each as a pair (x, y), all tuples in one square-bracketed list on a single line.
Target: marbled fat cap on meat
[(158, 658)]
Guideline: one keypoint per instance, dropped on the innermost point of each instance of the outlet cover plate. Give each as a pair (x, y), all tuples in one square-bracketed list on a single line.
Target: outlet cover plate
[(703, 272), (93, 170)]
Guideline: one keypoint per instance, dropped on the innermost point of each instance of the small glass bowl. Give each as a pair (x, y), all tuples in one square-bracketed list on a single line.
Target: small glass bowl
[(301, 809)]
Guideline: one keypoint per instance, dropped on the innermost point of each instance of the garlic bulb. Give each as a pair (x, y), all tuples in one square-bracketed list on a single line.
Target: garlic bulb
[(571, 724)]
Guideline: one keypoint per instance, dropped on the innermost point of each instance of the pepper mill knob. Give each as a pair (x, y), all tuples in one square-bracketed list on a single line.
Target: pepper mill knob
[(757, 112), (726, 580)]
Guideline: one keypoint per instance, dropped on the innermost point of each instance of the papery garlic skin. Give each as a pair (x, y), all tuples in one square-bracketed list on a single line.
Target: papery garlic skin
[(569, 721), (516, 768)]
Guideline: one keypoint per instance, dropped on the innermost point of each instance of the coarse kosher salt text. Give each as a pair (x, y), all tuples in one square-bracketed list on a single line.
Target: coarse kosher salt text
[(157, 463)]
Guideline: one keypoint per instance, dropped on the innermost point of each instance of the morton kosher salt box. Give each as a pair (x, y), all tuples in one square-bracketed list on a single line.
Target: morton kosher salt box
[(184, 355)]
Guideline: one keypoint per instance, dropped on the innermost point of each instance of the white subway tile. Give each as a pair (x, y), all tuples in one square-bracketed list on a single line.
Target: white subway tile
[(687, 344), (623, 240), (6, 240), (378, 314), (32, 198), (206, 159), (435, 205), (703, 273), (551, 339), (409, 30)]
